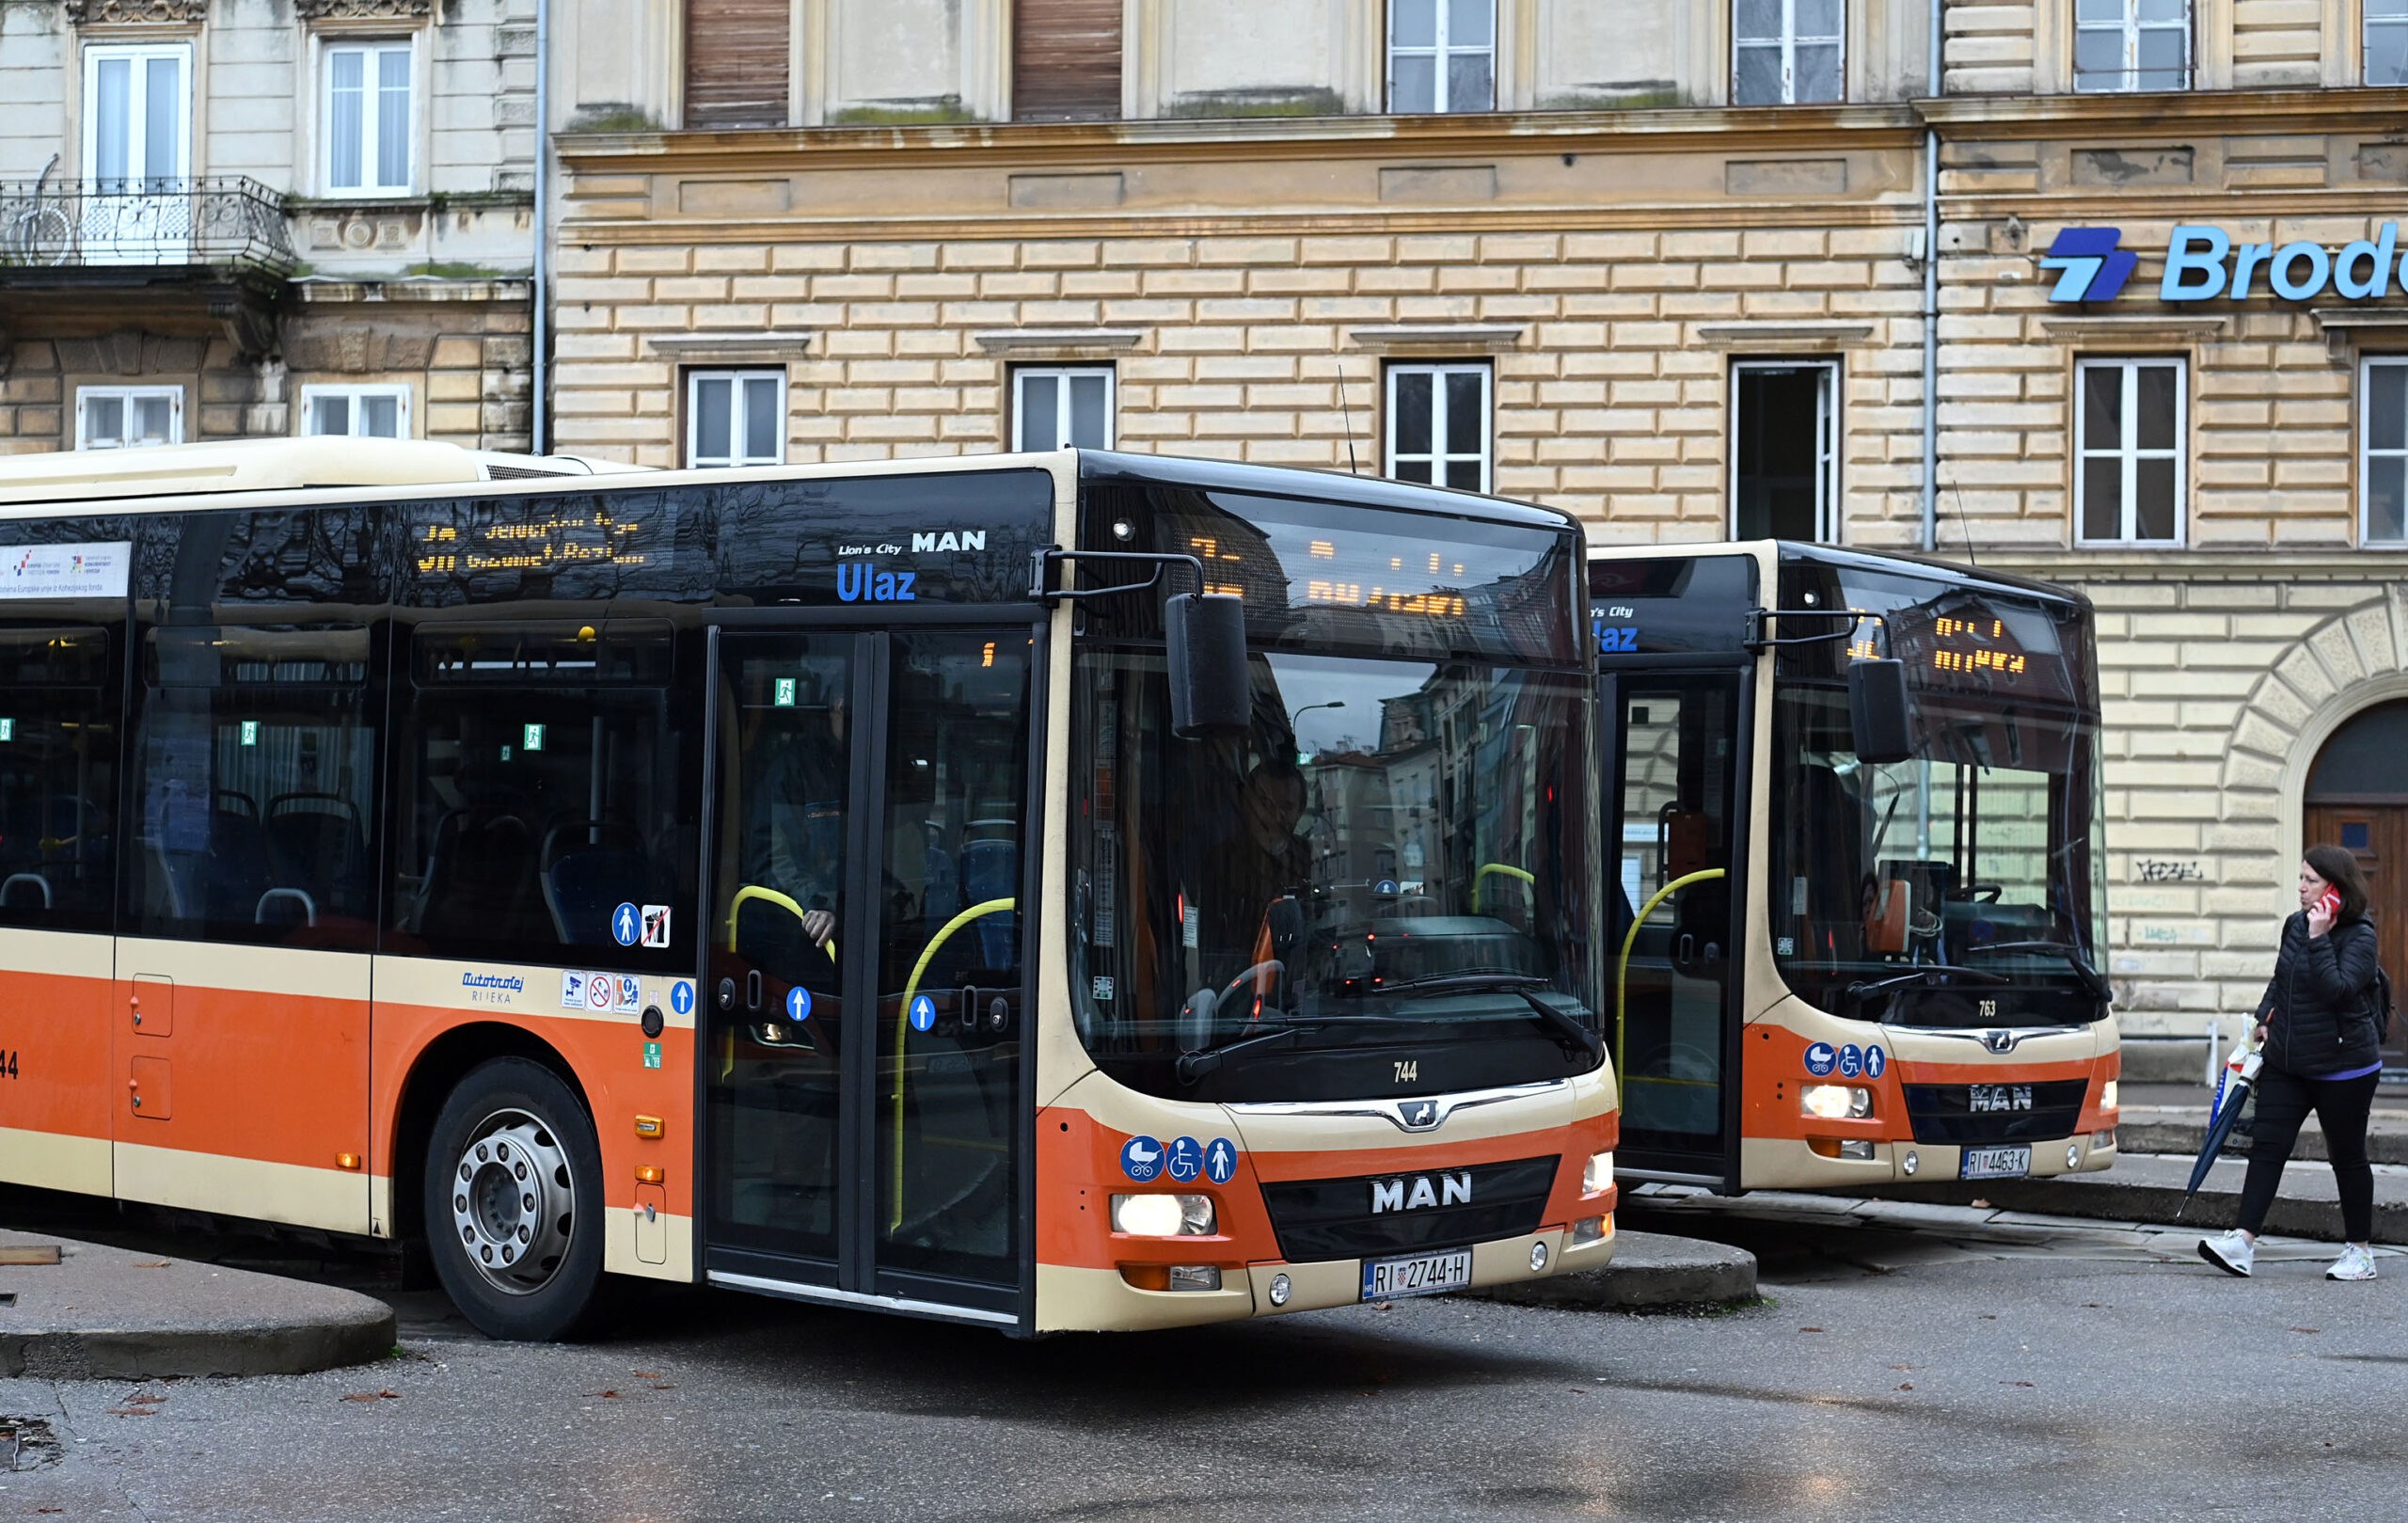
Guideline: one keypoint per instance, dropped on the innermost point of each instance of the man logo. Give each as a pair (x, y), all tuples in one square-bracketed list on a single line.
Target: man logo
[(1418, 1114), (968, 539), (1419, 1192), (2002, 1041), (2094, 268)]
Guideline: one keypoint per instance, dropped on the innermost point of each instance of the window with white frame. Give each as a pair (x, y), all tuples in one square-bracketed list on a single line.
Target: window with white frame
[(1442, 56), (2383, 451), (736, 418), (2131, 44), (122, 417), (2127, 452), (1437, 418), (367, 412), (1062, 407), (137, 116), (366, 122), (1784, 449), (1786, 52), (2386, 42)]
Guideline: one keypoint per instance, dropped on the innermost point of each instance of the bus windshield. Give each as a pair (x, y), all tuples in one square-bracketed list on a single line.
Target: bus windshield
[(1381, 889), (1962, 885)]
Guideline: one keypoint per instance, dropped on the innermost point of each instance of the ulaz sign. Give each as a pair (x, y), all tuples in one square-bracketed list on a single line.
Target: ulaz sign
[(2203, 262)]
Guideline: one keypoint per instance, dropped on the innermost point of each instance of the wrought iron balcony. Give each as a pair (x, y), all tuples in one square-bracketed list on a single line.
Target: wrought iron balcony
[(231, 222)]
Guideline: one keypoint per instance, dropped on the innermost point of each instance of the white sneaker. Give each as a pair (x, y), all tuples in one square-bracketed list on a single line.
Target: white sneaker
[(2233, 1254), (2355, 1263)]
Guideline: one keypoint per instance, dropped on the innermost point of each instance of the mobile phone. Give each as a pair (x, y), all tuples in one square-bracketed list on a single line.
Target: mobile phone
[(2332, 902)]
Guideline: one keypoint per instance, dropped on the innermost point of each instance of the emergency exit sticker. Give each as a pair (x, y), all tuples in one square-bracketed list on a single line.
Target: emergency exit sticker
[(652, 1054), (785, 697)]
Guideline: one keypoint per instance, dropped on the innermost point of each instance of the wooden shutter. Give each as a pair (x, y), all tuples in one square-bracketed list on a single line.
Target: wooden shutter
[(1066, 60), (735, 62)]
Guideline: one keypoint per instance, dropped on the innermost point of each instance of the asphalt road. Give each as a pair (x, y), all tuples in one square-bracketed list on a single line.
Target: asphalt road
[(1889, 1376)]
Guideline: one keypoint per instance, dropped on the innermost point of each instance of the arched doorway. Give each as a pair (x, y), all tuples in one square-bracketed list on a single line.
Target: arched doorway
[(2357, 797)]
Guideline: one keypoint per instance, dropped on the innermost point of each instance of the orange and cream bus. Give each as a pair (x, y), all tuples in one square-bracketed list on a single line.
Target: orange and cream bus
[(898, 886), (1855, 803)]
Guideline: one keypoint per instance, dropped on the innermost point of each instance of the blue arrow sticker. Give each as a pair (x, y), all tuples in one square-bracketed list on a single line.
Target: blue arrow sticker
[(626, 924), (1820, 1058), (798, 1004), (1877, 1062), (1141, 1159), (924, 1013), (1184, 1159), (1851, 1061), (1220, 1161), (681, 996)]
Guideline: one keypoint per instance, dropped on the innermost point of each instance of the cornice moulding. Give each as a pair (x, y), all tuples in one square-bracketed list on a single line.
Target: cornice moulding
[(772, 346), (2139, 325), (1484, 336), (337, 10), (2346, 328), (135, 12), (1013, 340), (1783, 336)]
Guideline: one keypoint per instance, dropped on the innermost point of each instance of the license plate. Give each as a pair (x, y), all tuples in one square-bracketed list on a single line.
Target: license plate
[(1994, 1164), (1423, 1274)]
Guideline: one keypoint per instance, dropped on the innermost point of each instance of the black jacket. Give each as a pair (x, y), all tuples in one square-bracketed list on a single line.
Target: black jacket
[(2319, 1007)]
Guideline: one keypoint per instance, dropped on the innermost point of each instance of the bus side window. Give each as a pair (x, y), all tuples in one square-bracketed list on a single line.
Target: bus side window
[(58, 759)]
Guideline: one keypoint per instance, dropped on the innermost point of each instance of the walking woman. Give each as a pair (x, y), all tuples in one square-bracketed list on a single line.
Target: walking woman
[(2321, 1036)]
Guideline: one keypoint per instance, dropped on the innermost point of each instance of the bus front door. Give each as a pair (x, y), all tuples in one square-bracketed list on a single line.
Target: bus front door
[(864, 987), (1675, 739)]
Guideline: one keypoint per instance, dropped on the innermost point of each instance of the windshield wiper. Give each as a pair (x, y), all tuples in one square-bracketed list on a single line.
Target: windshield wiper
[(1924, 973), (1568, 1032), (1195, 1065), (2090, 976)]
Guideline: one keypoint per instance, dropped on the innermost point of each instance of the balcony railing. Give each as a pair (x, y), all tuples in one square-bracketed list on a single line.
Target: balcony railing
[(229, 221)]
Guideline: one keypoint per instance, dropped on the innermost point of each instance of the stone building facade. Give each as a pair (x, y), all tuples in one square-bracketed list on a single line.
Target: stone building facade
[(1680, 262), (222, 218)]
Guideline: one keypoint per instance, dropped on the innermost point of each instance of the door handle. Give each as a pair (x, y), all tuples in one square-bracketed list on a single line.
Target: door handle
[(753, 990)]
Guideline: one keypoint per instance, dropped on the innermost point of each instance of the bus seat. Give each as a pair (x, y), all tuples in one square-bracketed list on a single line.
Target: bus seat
[(237, 869), (991, 870), (479, 877), (589, 867), (317, 842), (24, 891)]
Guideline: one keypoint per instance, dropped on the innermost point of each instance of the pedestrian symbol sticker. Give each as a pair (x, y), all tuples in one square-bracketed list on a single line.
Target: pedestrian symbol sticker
[(924, 1013), (798, 1004), (1851, 1061), (573, 990), (1220, 1161), (652, 1054), (656, 924), (1386, 885), (600, 989), (1141, 1159), (1877, 1062), (626, 924), (630, 994), (1184, 1159), (1820, 1059), (681, 996)]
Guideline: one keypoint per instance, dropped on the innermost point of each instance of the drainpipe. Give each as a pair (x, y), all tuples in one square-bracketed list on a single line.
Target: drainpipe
[(1931, 300), (541, 366)]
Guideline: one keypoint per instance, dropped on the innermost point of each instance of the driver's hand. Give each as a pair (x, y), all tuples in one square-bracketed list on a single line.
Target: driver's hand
[(819, 924)]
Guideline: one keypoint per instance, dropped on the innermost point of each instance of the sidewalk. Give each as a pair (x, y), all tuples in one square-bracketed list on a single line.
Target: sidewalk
[(79, 1311), (1650, 1269), (2173, 1119)]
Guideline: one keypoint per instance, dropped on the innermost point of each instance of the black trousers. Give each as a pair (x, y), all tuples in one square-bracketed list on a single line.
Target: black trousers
[(2341, 1107)]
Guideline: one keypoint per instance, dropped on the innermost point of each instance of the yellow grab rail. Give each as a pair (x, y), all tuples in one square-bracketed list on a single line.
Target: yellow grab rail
[(753, 891), (1621, 968), (1482, 876), (903, 1026)]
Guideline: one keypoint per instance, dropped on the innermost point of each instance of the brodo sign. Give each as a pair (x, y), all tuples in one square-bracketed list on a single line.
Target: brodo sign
[(2203, 262)]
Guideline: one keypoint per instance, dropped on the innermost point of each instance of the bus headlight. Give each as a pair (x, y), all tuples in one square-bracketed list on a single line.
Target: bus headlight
[(1163, 1215), (1599, 1173), (1836, 1101), (2107, 1093)]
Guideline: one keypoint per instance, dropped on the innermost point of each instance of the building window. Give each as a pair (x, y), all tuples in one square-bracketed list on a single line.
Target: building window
[(736, 418), (2382, 443), (1786, 52), (1442, 56), (1438, 425), (2131, 44), (367, 118), (2127, 448), (121, 416), (1784, 449), (1062, 407), (367, 412), (136, 115), (2386, 42)]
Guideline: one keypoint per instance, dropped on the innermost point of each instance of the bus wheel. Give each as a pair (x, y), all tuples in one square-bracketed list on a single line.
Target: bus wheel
[(513, 1202)]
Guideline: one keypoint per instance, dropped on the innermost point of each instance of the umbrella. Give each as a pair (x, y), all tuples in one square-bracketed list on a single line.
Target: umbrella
[(2238, 1075)]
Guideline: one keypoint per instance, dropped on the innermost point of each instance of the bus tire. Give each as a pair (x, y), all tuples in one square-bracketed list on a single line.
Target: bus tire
[(514, 1203)]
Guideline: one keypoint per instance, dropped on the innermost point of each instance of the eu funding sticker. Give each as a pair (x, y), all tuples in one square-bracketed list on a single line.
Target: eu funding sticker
[(94, 570)]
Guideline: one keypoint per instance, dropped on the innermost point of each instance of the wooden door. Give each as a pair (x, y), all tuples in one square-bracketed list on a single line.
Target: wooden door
[(2377, 836)]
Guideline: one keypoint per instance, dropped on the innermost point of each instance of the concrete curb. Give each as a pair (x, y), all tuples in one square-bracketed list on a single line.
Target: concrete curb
[(1649, 1269), (106, 1313)]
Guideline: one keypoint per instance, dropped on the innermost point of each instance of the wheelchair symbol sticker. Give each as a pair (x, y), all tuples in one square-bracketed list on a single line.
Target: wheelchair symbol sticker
[(798, 1004), (626, 924), (1220, 1161), (1184, 1159), (681, 996), (924, 1013), (1851, 1061)]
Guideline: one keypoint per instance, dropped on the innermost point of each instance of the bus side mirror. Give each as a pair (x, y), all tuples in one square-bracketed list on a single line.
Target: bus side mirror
[(1212, 692), (1878, 712)]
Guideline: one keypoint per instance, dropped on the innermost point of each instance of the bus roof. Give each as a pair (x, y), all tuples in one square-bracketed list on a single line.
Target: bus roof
[(1792, 549), (266, 465)]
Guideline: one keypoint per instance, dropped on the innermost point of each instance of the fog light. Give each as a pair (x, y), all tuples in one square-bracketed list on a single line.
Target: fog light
[(1196, 1277), (1599, 1173), (2073, 1155), (1857, 1148), (1911, 1163), (1836, 1101), (2103, 1139), (2107, 1094), (1538, 1256), (1281, 1290), (1594, 1229), (1163, 1215)]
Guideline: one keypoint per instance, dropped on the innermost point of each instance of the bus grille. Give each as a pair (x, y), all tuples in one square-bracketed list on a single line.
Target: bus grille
[(1335, 1218), (1946, 1112)]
